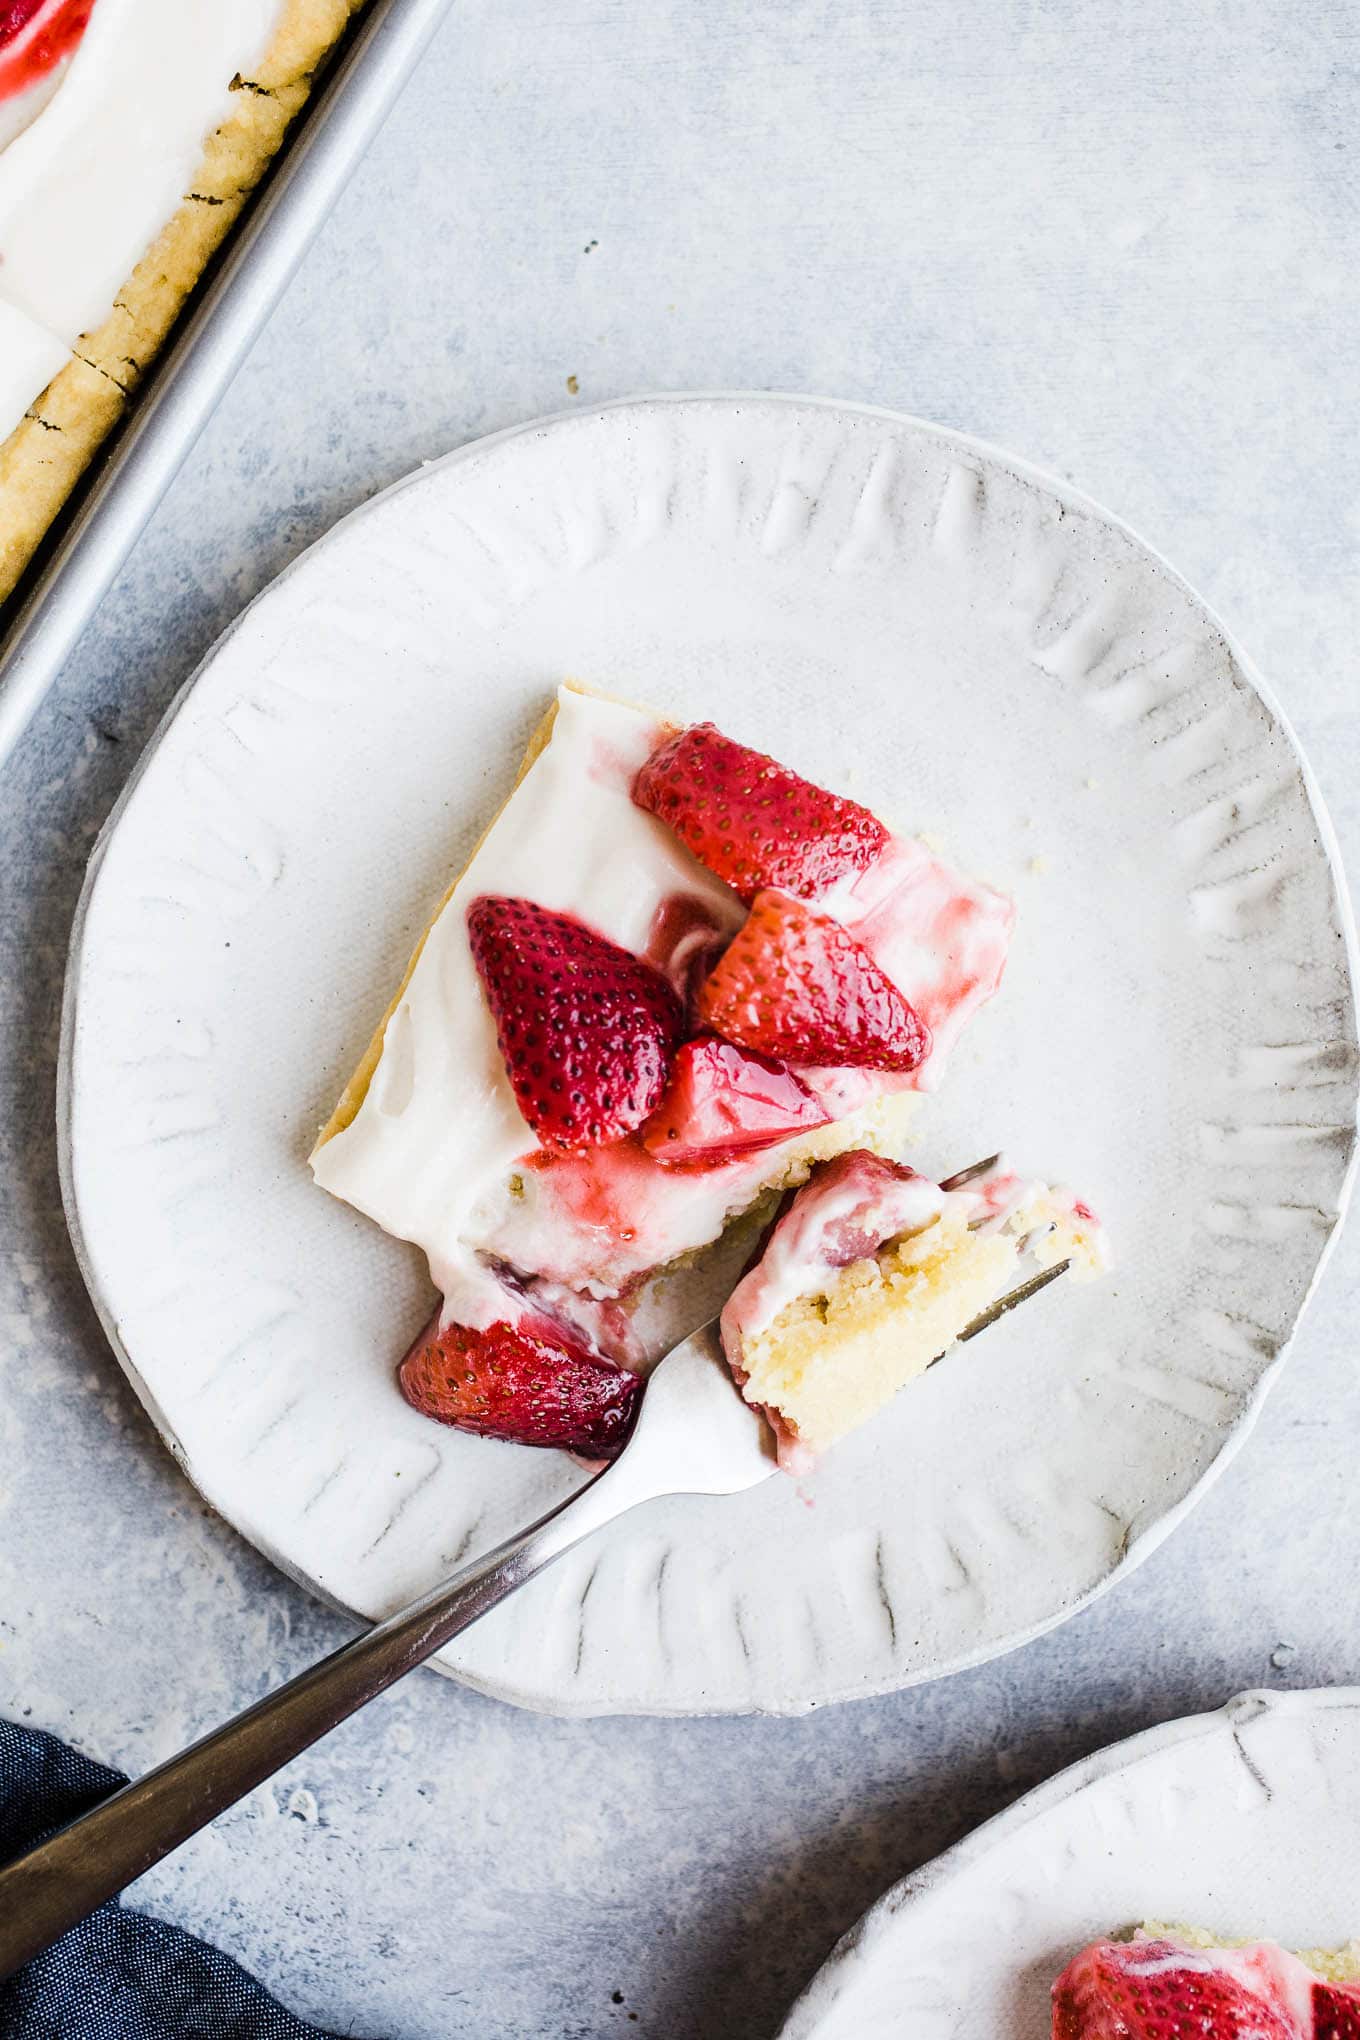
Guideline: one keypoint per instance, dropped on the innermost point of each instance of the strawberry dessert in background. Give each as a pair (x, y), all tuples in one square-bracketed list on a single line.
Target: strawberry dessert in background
[(1174, 1983), (131, 134), (37, 41), (674, 977)]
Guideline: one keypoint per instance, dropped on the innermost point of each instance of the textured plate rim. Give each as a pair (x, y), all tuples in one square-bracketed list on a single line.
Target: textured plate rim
[(820, 1995), (1234, 1435)]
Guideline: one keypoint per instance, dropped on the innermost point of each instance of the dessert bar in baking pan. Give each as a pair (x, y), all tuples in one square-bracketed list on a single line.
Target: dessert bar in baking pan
[(118, 335)]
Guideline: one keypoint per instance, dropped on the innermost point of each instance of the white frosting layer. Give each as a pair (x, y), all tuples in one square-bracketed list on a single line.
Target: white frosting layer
[(438, 1152), (19, 110), (87, 186), (29, 358)]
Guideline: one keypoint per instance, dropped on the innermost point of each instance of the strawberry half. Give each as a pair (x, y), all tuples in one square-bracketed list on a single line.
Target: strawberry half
[(587, 1029), (523, 1383), (723, 1102), (793, 984), (1154, 1990), (752, 821)]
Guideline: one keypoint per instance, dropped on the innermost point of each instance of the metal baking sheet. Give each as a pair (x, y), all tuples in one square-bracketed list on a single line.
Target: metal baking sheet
[(95, 532)]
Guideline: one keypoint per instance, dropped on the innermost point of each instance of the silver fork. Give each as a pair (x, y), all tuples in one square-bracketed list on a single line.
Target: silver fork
[(693, 1436)]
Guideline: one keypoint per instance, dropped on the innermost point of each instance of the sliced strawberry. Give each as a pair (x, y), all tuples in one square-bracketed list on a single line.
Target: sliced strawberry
[(793, 984), (586, 1028), (522, 1382), (722, 1102), (1336, 2011), (1155, 1990), (751, 821)]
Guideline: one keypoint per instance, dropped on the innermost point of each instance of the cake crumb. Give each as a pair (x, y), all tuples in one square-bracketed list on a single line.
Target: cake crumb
[(1091, 785), (302, 1806), (573, 386), (1040, 864)]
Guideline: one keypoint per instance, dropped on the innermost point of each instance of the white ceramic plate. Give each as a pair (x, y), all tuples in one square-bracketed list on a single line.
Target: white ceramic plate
[(975, 652), (1243, 1822)]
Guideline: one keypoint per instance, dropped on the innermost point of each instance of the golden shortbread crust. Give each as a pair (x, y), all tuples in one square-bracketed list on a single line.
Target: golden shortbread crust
[(44, 456)]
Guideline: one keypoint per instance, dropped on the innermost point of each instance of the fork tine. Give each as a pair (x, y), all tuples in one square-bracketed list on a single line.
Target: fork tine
[(1020, 1294), (970, 1174)]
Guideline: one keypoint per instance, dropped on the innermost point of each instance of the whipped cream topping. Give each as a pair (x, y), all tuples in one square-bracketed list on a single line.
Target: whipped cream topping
[(91, 180), (21, 109), (438, 1152), (29, 358)]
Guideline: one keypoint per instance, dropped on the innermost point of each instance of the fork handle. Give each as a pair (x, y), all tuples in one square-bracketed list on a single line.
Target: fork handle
[(64, 1878)]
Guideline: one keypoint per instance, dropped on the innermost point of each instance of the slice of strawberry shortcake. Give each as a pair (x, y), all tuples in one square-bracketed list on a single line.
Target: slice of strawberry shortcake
[(674, 977), (872, 1274), (1165, 1983)]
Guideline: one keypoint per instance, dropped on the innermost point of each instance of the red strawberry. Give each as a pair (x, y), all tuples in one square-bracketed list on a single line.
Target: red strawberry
[(523, 1382), (722, 1102), (1336, 2011), (1153, 1990), (793, 984), (587, 1029), (751, 821)]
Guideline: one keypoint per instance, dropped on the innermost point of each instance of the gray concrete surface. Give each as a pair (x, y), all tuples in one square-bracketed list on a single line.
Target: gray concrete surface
[(1120, 241)]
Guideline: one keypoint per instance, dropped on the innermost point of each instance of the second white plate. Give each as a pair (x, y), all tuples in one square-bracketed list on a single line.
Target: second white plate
[(1242, 1822), (973, 650)]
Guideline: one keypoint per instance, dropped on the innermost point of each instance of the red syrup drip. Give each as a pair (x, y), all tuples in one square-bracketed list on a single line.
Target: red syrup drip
[(594, 1184), (57, 36)]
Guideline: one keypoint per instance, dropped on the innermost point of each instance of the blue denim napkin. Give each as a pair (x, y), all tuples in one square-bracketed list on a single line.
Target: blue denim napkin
[(119, 1975)]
